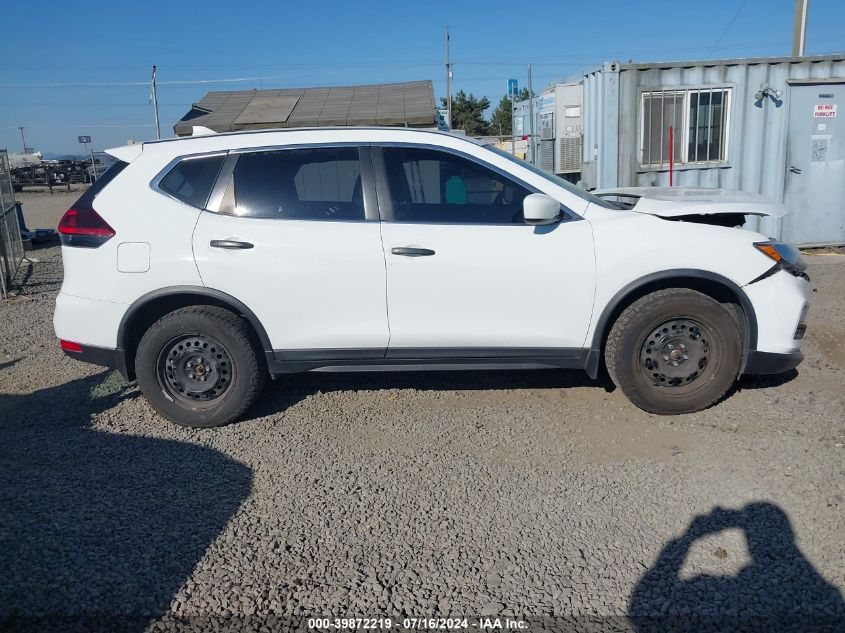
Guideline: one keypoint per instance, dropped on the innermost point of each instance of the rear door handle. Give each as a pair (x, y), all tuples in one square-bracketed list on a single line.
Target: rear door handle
[(407, 251), (231, 244), (795, 170)]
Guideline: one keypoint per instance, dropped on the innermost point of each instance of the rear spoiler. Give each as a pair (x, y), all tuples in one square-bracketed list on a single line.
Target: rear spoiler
[(126, 153)]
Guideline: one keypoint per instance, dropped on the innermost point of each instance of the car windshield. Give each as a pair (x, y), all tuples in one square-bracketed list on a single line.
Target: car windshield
[(557, 180)]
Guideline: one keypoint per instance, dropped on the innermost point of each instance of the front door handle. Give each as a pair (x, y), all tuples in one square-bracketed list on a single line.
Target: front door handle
[(231, 244), (795, 170), (411, 252)]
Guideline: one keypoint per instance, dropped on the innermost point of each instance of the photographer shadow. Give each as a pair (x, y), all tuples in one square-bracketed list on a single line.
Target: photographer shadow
[(779, 590), (99, 531)]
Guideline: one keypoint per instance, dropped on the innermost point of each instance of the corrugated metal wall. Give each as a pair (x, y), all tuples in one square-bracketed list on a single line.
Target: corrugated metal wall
[(601, 122), (757, 145)]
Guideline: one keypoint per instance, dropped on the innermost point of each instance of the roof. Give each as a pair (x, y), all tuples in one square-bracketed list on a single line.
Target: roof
[(749, 61), (408, 104)]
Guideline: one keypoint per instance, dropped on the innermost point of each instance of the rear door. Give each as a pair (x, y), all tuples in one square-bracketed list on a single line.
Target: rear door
[(296, 238)]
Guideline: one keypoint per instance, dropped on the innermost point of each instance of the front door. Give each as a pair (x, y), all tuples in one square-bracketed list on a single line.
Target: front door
[(815, 168), (466, 275), (293, 242)]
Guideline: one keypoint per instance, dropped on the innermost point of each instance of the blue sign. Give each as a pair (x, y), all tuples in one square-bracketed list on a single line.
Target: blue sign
[(441, 120), (513, 87)]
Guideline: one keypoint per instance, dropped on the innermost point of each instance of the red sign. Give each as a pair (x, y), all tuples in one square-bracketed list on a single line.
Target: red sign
[(824, 110)]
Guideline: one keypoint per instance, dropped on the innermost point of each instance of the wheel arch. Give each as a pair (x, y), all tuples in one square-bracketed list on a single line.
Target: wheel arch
[(709, 283), (150, 307)]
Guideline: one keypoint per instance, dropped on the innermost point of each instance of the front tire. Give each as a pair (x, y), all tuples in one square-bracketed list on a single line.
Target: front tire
[(674, 351), (198, 366)]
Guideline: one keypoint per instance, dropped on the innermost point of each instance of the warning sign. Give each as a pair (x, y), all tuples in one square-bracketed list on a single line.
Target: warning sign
[(824, 110)]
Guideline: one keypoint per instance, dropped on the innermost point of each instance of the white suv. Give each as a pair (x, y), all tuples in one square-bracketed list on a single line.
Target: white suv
[(202, 265)]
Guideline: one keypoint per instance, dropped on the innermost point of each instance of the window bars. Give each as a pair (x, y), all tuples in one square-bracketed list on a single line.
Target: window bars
[(700, 119)]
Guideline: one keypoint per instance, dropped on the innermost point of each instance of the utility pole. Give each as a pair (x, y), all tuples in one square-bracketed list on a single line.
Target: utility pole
[(23, 140), (154, 98), (448, 84), (531, 117), (799, 28), (513, 124)]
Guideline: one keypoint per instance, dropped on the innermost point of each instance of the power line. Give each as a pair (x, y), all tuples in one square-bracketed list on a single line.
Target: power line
[(560, 61), (124, 84), (81, 103), (728, 27), (535, 59)]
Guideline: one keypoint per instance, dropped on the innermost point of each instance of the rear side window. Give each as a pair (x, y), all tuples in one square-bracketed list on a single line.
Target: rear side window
[(192, 179), (87, 198), (300, 184)]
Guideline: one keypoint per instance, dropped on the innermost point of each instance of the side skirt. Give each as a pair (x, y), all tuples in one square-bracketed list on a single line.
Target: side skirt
[(448, 359)]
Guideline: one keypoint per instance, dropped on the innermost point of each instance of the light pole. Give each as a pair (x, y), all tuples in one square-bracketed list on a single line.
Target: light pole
[(85, 140)]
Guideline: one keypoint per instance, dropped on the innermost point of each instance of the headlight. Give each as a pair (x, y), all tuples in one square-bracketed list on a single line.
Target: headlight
[(784, 255)]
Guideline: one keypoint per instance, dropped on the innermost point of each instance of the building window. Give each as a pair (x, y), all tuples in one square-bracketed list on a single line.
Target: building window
[(699, 119)]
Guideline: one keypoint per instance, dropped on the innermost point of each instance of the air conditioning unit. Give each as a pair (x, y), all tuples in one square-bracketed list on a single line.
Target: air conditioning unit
[(569, 154)]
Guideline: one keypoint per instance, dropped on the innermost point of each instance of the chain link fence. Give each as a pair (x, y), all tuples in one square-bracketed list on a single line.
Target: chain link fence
[(11, 246)]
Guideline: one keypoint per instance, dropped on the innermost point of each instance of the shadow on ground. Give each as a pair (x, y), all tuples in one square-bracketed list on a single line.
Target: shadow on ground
[(287, 390), (778, 590), (49, 276), (766, 381), (99, 531)]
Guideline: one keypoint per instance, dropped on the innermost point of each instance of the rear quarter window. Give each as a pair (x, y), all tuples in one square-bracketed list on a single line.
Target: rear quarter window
[(192, 179), (87, 198)]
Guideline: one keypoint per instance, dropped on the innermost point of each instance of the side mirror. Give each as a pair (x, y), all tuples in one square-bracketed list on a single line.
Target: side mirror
[(538, 209)]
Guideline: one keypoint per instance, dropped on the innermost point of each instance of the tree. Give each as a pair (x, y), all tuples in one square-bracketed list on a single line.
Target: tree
[(500, 119), (523, 95), (468, 113), (501, 122)]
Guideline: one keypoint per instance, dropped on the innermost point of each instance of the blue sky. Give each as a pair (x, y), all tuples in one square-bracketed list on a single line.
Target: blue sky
[(268, 45)]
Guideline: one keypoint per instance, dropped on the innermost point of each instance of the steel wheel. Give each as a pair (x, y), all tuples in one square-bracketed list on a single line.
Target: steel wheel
[(195, 370), (676, 352)]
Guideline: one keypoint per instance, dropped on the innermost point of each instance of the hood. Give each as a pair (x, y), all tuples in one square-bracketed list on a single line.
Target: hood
[(676, 202)]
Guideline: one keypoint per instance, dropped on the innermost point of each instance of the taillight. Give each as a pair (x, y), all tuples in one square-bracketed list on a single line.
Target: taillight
[(84, 227)]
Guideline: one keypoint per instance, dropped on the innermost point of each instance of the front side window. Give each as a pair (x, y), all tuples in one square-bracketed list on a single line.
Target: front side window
[(300, 184), (433, 186), (192, 179), (699, 121)]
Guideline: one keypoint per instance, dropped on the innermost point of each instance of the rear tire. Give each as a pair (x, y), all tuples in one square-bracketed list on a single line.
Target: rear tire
[(674, 351), (198, 366)]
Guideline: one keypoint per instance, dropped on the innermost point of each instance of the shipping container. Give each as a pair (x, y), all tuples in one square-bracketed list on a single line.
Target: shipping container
[(764, 125)]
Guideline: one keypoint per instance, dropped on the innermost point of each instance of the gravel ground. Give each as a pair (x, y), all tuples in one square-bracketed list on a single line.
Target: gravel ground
[(536, 494), (42, 210)]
